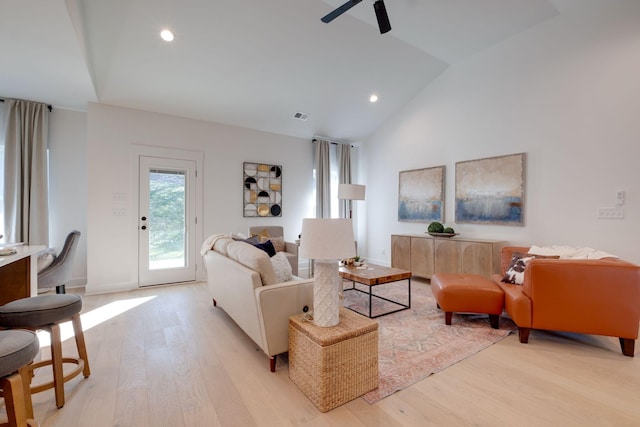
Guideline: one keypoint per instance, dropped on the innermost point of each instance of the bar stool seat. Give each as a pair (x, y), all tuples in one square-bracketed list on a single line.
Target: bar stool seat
[(17, 350), (46, 312)]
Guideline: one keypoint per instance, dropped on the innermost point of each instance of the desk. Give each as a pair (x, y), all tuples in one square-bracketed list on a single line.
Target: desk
[(19, 274)]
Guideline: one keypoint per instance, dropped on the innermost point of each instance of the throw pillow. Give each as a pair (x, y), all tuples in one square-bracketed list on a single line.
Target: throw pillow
[(263, 235), (515, 272), (278, 243), (281, 267), (45, 259), (267, 247), (253, 240)]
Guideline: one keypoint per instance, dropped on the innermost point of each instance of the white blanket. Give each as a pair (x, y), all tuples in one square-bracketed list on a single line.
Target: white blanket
[(570, 252), (210, 241)]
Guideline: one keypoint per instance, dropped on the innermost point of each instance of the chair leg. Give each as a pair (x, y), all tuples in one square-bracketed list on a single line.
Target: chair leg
[(80, 344), (523, 334), (448, 316), (628, 346), (272, 363), (60, 289), (494, 320), (14, 399), (56, 359), (25, 375)]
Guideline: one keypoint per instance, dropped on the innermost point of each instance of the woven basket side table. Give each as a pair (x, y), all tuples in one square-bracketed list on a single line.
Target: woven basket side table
[(334, 365)]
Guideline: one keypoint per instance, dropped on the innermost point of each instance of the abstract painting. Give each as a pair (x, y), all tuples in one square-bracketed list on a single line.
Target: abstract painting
[(262, 190), (491, 191), (421, 195)]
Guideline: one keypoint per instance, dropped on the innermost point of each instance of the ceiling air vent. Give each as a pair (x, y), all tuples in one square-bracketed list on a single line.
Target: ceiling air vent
[(301, 116)]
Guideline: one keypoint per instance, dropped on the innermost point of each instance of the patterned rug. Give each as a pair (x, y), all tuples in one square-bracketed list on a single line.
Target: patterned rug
[(416, 343)]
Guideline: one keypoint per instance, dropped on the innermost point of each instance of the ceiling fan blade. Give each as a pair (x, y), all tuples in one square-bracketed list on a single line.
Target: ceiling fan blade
[(339, 11), (383, 18)]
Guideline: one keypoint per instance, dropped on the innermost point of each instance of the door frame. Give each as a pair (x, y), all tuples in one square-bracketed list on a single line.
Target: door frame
[(170, 153)]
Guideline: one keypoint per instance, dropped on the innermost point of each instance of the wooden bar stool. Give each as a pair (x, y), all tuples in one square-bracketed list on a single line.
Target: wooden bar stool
[(17, 350), (47, 312)]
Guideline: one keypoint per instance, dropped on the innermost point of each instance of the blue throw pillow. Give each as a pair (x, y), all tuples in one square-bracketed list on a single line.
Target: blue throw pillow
[(267, 247)]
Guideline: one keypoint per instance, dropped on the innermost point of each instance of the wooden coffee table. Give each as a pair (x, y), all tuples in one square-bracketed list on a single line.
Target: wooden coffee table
[(376, 275)]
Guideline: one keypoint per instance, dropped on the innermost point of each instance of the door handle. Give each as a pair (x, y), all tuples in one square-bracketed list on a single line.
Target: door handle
[(144, 227)]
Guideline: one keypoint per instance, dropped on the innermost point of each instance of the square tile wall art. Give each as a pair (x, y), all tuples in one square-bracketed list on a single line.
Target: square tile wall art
[(421, 195), (491, 191), (262, 189)]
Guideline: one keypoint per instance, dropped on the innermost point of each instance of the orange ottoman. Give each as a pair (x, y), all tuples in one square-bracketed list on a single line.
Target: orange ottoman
[(467, 293)]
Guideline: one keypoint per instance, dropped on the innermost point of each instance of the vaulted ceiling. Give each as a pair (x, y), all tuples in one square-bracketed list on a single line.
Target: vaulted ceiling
[(249, 63)]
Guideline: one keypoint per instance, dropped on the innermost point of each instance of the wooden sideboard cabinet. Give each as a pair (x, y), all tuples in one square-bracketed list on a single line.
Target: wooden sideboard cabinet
[(426, 255)]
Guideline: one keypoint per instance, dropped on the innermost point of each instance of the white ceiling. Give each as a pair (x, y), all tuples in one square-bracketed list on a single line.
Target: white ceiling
[(249, 63)]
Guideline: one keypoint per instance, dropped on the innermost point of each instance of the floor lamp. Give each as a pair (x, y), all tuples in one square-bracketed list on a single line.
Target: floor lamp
[(326, 241), (351, 192)]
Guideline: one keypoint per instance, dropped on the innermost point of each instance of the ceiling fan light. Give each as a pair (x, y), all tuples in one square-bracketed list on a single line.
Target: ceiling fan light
[(383, 18), (373, 98)]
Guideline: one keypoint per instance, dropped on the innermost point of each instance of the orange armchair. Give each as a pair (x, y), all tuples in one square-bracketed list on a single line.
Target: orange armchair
[(599, 297)]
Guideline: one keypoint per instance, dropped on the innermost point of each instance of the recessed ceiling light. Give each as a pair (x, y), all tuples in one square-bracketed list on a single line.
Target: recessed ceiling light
[(166, 35), (373, 98)]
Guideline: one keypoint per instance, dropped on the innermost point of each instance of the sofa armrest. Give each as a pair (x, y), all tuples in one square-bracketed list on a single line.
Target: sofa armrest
[(291, 250), (599, 297), (276, 303), (291, 247)]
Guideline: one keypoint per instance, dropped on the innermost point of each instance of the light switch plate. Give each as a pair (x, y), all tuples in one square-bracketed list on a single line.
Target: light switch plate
[(610, 213)]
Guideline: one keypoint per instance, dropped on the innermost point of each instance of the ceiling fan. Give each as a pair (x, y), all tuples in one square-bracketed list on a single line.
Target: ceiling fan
[(378, 6)]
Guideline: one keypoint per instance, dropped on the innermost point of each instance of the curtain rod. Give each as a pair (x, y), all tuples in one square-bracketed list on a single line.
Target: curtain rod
[(49, 107), (332, 141)]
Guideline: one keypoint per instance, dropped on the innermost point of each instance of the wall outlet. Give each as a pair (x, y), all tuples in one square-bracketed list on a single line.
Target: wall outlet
[(610, 213)]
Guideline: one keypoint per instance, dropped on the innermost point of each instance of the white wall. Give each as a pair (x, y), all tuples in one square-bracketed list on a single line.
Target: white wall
[(68, 185), (113, 133), (567, 93)]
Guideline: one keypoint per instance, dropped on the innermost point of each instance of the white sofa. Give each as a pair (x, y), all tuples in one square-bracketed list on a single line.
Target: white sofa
[(243, 282)]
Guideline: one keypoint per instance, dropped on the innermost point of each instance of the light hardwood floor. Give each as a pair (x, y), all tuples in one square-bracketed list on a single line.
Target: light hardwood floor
[(175, 360)]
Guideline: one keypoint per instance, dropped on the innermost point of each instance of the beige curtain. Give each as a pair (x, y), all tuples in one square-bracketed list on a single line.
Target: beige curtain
[(344, 175), (26, 208), (323, 179)]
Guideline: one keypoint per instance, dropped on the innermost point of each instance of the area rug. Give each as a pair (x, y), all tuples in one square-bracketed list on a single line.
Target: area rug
[(416, 343)]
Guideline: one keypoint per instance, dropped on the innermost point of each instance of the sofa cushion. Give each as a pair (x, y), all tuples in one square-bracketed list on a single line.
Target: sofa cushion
[(281, 267), (253, 258), (515, 272)]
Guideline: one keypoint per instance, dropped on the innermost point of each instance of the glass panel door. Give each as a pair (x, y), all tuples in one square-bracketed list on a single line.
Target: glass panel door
[(166, 221)]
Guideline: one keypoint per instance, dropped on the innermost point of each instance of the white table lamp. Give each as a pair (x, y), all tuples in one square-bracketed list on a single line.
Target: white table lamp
[(326, 240)]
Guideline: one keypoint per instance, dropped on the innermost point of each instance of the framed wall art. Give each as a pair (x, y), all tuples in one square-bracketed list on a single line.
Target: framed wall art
[(262, 185), (421, 195), (491, 190)]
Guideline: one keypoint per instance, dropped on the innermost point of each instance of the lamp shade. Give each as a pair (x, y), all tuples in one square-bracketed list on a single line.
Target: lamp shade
[(351, 192), (327, 238)]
